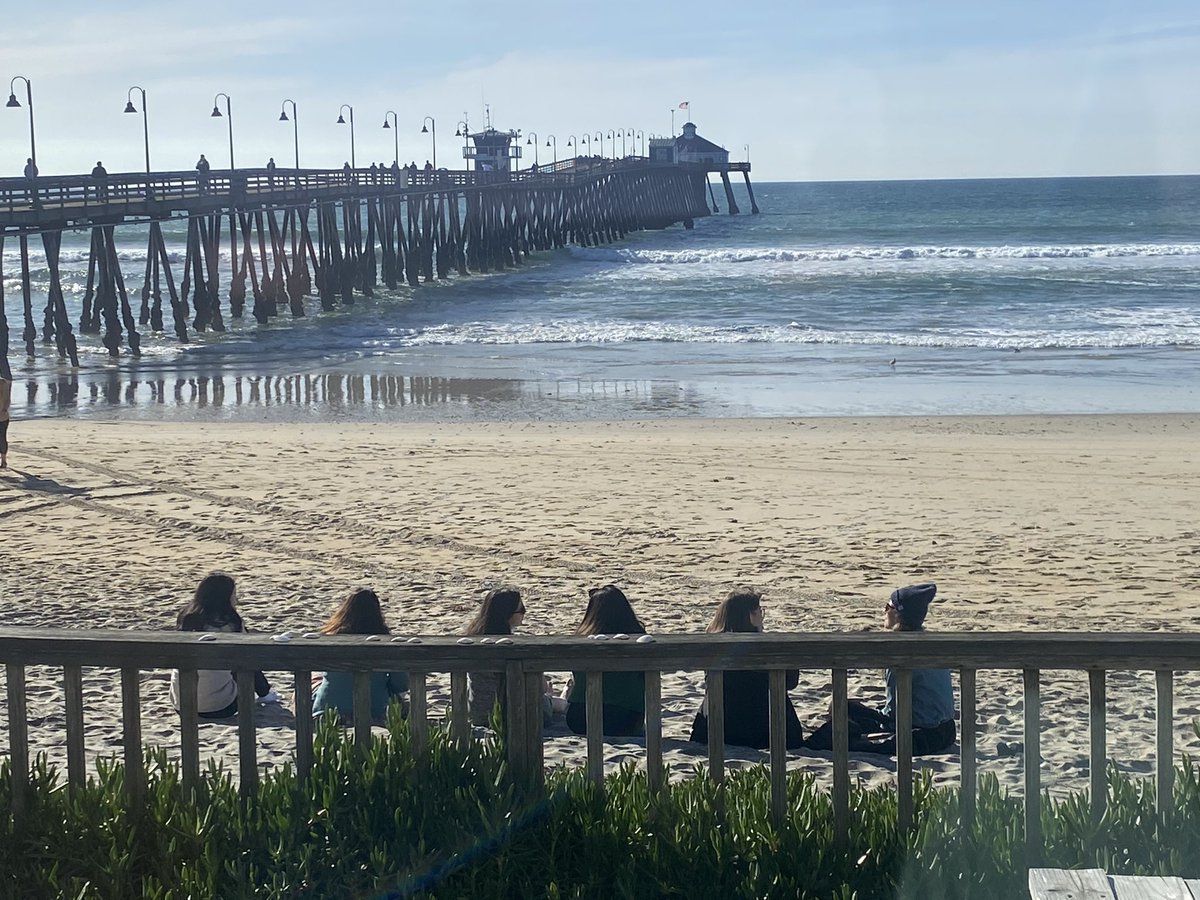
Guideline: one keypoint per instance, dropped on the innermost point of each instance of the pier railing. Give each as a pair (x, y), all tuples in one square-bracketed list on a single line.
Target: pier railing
[(524, 659), (26, 202)]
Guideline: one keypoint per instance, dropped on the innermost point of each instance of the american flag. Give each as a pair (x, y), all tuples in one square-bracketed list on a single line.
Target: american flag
[(683, 105)]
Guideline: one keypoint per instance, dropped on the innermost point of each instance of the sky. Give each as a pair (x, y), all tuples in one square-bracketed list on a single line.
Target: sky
[(848, 90)]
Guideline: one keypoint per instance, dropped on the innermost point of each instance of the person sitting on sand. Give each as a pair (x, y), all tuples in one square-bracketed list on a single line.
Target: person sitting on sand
[(608, 612), (872, 731), (214, 608), (501, 611), (747, 692), (359, 613)]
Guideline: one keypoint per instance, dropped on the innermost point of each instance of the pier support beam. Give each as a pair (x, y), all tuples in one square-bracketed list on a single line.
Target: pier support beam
[(733, 207), (750, 190)]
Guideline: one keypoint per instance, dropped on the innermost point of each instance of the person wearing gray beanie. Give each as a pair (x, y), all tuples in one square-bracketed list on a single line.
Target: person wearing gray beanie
[(933, 728), (912, 605)]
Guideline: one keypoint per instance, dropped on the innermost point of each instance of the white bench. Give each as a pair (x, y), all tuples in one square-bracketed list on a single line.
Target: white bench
[(1094, 884)]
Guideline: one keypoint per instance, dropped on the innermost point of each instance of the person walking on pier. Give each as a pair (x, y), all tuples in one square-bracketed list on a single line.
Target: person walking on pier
[(31, 174), (271, 171), (203, 168), (100, 176)]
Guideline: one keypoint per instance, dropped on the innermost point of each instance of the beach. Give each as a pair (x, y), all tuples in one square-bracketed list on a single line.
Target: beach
[(1026, 523)]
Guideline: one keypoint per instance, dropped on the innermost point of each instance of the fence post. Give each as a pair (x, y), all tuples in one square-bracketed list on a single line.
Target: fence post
[(18, 740), (1098, 751), (1033, 773)]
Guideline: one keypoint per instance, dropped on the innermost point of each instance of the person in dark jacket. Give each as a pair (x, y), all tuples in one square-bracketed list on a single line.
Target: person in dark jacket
[(624, 693), (747, 691)]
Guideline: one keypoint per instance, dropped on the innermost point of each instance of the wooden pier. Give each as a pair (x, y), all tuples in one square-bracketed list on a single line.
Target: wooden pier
[(333, 234)]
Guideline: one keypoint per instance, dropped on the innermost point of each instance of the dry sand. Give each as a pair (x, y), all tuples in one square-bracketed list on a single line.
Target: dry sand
[(1026, 523)]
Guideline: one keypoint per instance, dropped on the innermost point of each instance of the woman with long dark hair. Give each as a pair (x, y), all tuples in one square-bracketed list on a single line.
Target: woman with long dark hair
[(746, 692), (214, 608), (609, 612), (359, 613), (500, 612)]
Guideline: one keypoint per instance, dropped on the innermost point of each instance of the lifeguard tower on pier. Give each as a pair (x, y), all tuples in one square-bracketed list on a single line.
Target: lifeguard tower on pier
[(493, 150)]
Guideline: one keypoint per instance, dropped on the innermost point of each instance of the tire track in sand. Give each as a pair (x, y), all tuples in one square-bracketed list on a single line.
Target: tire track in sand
[(324, 522)]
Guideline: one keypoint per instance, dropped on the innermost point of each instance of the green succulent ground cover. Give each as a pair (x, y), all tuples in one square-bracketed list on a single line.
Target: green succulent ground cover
[(451, 823)]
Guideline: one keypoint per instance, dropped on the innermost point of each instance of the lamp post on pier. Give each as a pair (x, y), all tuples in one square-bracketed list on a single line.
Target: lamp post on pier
[(746, 147), (642, 135), (600, 138), (395, 126), (551, 138), (295, 120), (612, 137), (130, 108), (14, 103), (216, 114), (463, 131), (429, 126), (342, 121), (533, 140), (573, 141)]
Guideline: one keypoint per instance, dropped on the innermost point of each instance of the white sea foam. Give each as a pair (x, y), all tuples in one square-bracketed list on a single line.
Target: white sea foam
[(1178, 331), (840, 254)]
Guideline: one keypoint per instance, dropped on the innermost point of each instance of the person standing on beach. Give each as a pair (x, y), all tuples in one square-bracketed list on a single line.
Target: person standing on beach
[(609, 612), (5, 403), (747, 692), (214, 608)]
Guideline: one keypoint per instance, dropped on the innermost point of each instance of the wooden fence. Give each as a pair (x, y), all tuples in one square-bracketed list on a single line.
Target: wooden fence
[(524, 659)]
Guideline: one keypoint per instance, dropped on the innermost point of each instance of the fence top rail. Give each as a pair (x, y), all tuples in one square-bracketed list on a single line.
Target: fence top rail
[(448, 653)]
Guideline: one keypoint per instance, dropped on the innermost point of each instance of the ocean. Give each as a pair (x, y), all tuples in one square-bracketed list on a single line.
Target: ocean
[(1014, 296)]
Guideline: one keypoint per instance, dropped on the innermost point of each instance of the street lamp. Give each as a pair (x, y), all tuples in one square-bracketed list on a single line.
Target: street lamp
[(216, 114), (587, 138), (600, 138), (573, 141), (130, 108), (642, 135), (533, 140), (395, 126), (612, 136), (342, 121), (551, 138), (746, 147), (295, 120), (14, 103), (429, 126)]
